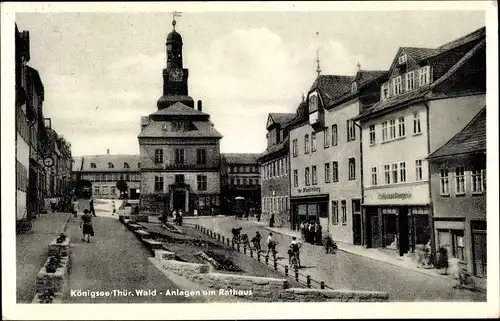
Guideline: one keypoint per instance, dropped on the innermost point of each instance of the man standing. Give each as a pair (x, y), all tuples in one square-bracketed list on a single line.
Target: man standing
[(91, 207), (271, 244)]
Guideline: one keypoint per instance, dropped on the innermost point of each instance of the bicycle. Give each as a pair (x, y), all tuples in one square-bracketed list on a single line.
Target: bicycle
[(295, 261)]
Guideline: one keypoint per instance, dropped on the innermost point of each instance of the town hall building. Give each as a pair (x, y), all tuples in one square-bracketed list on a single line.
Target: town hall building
[(179, 147)]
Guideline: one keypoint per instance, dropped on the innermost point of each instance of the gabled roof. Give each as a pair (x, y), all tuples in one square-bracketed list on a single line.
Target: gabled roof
[(204, 129), (240, 158), (178, 109), (471, 139), (332, 87), (478, 34), (101, 162), (363, 78), (279, 118)]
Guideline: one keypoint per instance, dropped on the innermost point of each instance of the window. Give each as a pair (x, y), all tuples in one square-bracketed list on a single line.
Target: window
[(110, 165), (416, 123), (444, 182), (238, 181), (201, 156), (372, 135), (202, 182), (392, 128), (125, 165), (402, 172), (453, 241), (158, 184), (410, 81), (294, 147), (335, 213), (374, 176), (295, 178), (418, 170), (232, 181), (387, 174), (326, 137), (274, 169), (244, 181), (401, 127), (352, 168), (158, 156), (96, 190), (397, 85), (351, 130), (356, 206), (394, 171), (477, 179), (384, 131), (327, 172), (179, 179), (313, 142), (385, 91), (402, 59), (92, 165), (113, 190), (335, 171), (424, 77), (105, 190), (179, 156), (314, 176), (344, 212), (354, 87), (278, 167), (334, 135), (306, 144), (306, 176), (459, 181)]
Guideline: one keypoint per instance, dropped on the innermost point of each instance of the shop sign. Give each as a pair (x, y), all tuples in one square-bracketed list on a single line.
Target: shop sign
[(316, 189), (394, 196)]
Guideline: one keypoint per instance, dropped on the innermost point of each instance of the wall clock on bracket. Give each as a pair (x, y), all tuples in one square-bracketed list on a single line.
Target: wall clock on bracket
[(176, 74), (48, 161)]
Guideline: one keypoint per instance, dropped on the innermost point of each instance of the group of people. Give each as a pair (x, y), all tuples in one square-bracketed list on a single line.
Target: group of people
[(311, 232)]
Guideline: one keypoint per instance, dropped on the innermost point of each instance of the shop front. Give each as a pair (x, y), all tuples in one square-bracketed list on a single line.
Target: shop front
[(397, 218), (307, 208)]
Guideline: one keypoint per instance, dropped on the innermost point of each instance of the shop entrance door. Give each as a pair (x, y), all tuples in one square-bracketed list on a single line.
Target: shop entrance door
[(373, 228), (179, 200), (356, 228), (403, 230)]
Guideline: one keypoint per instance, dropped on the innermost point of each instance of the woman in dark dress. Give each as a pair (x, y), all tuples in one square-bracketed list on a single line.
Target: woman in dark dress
[(86, 222)]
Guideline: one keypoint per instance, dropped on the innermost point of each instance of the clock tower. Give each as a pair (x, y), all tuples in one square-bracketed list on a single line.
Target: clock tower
[(175, 77)]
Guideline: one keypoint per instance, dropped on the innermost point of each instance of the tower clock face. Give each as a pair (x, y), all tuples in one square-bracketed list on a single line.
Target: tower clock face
[(176, 74)]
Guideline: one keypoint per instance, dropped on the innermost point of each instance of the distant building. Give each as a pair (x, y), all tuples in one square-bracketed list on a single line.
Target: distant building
[(458, 185), (240, 177), (104, 171), (275, 171), (430, 95), (179, 147)]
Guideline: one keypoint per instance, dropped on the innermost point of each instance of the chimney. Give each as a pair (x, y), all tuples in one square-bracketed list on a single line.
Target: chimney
[(107, 151), (199, 105)]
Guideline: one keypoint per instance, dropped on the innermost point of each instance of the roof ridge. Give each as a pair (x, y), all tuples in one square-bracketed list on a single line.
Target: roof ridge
[(461, 38)]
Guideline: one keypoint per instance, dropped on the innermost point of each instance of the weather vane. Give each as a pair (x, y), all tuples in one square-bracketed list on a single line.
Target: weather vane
[(318, 69), (359, 66), (175, 14)]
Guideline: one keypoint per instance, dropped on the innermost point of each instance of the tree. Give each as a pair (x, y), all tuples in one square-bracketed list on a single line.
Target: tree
[(122, 186)]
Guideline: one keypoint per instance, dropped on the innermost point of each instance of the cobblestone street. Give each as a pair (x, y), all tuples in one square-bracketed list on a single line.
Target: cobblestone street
[(344, 270)]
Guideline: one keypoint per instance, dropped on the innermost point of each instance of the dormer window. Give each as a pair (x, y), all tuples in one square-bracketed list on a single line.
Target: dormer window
[(384, 91), (398, 88), (402, 59), (424, 76), (164, 126), (125, 165), (313, 108), (354, 87), (110, 165), (92, 165)]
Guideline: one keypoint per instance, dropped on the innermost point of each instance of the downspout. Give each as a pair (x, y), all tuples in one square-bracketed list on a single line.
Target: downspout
[(362, 183), (431, 208)]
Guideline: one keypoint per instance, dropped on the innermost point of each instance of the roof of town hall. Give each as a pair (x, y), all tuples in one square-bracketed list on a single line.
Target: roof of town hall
[(240, 158), (421, 93), (82, 163), (469, 140), (179, 109)]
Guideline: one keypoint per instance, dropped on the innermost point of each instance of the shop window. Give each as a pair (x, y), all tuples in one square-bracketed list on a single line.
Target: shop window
[(390, 224), (335, 213)]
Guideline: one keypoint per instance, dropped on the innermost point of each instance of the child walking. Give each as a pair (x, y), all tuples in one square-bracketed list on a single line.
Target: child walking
[(86, 222)]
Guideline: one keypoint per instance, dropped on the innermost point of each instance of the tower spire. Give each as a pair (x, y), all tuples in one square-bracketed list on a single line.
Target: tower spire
[(318, 69), (359, 66), (175, 14)]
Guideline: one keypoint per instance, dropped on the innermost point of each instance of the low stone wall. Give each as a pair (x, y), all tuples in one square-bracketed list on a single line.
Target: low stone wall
[(56, 281), (59, 248), (316, 295), (186, 269)]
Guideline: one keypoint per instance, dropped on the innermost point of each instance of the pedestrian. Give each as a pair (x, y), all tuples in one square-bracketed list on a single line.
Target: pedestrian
[(114, 207), (86, 223), (310, 232), (318, 233), (302, 229), (91, 207), (75, 207), (271, 221), (271, 244)]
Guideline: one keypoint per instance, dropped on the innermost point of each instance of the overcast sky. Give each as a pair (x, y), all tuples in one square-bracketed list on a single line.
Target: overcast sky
[(101, 72)]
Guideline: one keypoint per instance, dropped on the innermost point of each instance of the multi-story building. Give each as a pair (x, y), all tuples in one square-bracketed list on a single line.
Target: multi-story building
[(275, 173), (179, 146), (25, 116), (431, 95), (240, 177), (458, 185), (104, 171)]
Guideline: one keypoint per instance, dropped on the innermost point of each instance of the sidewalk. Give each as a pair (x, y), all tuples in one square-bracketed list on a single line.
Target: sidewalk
[(114, 260), (374, 254), (31, 252)]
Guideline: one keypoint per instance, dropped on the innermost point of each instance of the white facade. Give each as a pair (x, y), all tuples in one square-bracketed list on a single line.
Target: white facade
[(402, 153)]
